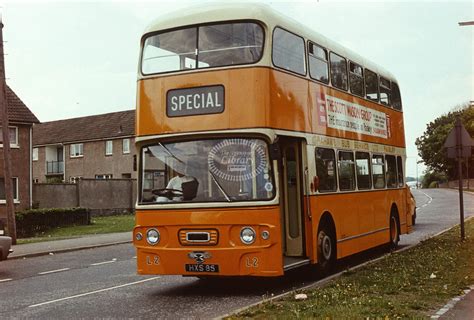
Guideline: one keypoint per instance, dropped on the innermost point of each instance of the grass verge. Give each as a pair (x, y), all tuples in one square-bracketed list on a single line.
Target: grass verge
[(412, 283), (100, 225)]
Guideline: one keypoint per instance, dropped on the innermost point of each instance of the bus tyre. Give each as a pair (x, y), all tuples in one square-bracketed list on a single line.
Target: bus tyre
[(394, 231), (326, 249)]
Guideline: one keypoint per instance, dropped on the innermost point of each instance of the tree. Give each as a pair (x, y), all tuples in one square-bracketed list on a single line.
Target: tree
[(430, 144)]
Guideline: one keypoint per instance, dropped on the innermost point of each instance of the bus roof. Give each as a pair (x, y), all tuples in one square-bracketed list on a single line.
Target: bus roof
[(208, 13)]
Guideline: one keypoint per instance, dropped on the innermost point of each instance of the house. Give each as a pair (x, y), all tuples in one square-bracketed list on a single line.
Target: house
[(99, 146), (21, 121)]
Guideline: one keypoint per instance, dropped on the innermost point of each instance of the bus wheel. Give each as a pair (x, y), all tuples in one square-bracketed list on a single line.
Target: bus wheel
[(326, 249), (394, 231)]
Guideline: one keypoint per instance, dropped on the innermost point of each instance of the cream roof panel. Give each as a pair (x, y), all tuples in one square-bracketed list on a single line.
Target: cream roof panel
[(256, 11)]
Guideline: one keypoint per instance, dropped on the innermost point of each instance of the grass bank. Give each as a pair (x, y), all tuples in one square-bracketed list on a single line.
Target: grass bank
[(99, 225), (412, 283)]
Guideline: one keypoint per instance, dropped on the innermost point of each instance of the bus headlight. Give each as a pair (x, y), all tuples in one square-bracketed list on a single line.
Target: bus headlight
[(247, 235), (152, 236)]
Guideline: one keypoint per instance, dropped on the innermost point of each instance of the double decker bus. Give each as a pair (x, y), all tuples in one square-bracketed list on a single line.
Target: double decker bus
[(263, 146)]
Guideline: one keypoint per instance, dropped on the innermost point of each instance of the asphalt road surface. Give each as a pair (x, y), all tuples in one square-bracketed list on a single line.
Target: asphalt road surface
[(101, 282)]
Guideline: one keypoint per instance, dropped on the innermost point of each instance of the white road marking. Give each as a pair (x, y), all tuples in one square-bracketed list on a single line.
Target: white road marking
[(53, 271), (429, 200), (451, 304), (92, 292), (5, 280), (104, 262)]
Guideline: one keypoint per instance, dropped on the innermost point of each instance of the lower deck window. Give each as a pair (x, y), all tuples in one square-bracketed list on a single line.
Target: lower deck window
[(326, 169), (346, 171), (378, 171)]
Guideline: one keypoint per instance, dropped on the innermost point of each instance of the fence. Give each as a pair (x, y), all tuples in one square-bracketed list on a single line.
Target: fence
[(102, 197), (466, 183)]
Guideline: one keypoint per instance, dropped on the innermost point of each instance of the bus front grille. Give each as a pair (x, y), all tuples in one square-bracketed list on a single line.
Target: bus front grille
[(190, 237)]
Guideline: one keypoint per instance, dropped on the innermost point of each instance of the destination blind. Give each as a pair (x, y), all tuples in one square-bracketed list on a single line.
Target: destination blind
[(195, 101)]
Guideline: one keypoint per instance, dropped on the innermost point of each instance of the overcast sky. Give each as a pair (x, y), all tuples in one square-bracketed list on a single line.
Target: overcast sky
[(69, 59)]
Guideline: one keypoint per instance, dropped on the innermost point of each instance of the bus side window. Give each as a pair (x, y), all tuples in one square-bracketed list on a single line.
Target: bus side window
[(288, 51), (385, 91), (391, 171), (346, 171), (396, 97), (338, 71), (378, 171), (363, 170), (326, 169), (318, 63), (371, 85), (401, 183), (356, 79)]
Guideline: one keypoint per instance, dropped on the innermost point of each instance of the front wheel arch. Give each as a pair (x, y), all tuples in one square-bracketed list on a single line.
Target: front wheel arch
[(326, 243)]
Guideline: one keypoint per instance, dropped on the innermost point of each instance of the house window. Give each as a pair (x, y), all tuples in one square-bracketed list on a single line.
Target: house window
[(35, 154), (126, 146), (2, 190), (74, 179), (109, 145), (103, 176), (13, 131), (77, 150)]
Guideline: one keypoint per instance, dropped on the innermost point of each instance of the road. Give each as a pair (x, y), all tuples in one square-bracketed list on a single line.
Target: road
[(101, 282)]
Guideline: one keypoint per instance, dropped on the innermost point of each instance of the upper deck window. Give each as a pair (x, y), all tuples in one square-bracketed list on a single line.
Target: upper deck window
[(396, 98), (385, 91), (318, 63), (338, 71), (371, 85), (356, 79), (288, 51), (202, 47)]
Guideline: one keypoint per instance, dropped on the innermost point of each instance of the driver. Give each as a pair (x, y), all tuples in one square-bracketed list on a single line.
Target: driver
[(176, 183)]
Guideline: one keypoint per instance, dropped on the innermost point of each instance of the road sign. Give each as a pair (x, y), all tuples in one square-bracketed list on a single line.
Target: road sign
[(459, 144), (452, 144)]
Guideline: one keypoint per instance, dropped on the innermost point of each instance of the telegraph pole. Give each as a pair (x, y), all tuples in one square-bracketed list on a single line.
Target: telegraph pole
[(7, 175)]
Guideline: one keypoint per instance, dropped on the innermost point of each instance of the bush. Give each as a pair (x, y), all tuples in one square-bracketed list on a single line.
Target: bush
[(31, 222), (433, 176), (434, 184)]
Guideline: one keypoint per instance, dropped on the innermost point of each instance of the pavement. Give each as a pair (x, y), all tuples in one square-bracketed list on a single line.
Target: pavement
[(66, 245)]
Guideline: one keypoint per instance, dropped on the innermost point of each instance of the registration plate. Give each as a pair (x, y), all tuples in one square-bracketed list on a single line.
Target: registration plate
[(202, 268)]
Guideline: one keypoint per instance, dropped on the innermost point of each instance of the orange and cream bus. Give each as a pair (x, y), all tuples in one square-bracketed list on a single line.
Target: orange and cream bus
[(263, 146)]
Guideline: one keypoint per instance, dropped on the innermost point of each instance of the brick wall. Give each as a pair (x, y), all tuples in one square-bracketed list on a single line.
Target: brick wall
[(20, 166), (103, 197)]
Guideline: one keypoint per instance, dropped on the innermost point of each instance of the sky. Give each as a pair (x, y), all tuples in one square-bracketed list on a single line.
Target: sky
[(68, 59)]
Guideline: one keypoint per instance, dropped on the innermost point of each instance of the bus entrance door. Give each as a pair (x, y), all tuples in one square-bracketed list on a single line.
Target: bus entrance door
[(292, 197)]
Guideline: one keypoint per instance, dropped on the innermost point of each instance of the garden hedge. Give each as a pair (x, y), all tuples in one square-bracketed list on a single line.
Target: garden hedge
[(31, 222)]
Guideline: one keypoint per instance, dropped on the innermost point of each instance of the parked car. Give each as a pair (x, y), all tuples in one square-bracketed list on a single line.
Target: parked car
[(411, 206), (5, 247)]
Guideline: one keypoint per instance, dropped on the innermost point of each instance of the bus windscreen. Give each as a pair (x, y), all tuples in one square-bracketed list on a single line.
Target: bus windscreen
[(210, 170)]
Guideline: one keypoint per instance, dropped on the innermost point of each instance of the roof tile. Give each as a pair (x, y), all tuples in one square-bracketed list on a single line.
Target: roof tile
[(102, 126), (17, 110)]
